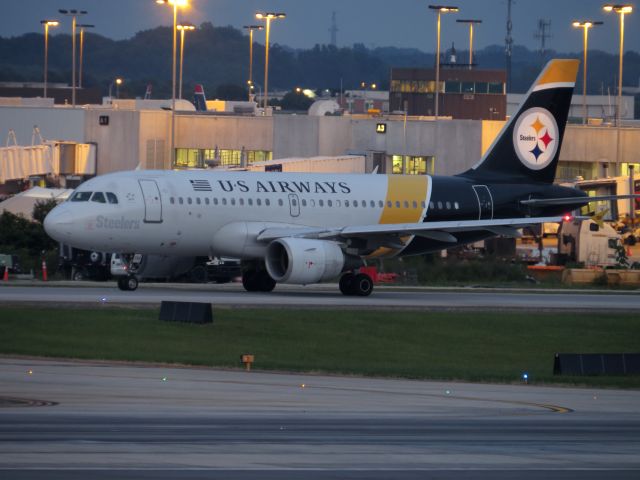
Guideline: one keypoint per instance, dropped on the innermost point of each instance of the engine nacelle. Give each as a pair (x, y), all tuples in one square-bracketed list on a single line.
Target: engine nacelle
[(303, 261)]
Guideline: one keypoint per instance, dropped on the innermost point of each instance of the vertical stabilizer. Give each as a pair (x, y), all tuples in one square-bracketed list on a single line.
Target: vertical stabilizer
[(199, 99)]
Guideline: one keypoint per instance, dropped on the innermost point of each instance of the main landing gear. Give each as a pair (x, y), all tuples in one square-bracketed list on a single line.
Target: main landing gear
[(128, 283), (358, 284), (254, 280)]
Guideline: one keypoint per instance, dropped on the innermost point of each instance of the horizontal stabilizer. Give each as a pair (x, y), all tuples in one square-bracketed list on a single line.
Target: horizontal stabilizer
[(575, 200)]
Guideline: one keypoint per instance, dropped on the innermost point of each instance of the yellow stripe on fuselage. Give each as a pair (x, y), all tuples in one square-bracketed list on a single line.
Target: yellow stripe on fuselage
[(402, 189), (405, 188)]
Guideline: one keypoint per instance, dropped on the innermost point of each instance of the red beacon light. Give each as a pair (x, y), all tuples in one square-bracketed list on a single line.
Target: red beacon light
[(567, 218)]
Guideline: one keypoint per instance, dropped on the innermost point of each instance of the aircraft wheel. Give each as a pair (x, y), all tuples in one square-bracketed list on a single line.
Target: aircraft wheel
[(346, 284), (122, 284), (132, 283), (249, 280), (362, 285), (265, 282)]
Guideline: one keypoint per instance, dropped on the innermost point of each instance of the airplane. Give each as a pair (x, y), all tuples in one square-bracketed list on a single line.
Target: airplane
[(305, 228)]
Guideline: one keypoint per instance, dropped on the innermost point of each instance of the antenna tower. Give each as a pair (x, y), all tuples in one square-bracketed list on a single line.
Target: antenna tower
[(544, 32), (334, 30), (508, 44)]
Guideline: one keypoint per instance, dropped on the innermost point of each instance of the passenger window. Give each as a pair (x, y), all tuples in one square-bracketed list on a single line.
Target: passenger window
[(448, 205), (172, 200), (206, 200), (180, 201), (258, 202), (224, 201), (346, 203), (98, 197), (189, 200), (241, 201), (304, 202), (338, 203), (198, 200), (312, 202), (372, 203), (440, 205), (81, 197), (321, 203), (397, 204), (432, 205), (267, 202), (456, 205), (380, 203), (250, 201), (415, 204), (329, 203), (113, 199), (215, 200), (233, 201), (280, 202), (422, 204), (355, 203), (389, 203)]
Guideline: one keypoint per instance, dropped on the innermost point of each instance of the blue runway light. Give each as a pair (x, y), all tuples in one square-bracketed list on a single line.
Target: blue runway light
[(525, 377)]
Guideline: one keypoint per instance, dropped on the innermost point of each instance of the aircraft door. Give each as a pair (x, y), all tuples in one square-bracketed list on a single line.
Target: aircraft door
[(294, 205), (485, 202), (152, 203)]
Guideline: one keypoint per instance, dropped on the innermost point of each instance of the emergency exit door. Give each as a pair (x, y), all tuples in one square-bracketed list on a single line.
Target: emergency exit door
[(152, 202), (485, 202)]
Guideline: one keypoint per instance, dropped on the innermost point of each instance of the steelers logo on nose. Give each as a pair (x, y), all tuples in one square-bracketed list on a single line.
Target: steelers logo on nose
[(535, 138)]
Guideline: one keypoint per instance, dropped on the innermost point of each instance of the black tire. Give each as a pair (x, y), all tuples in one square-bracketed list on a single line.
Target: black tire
[(249, 281), (79, 274), (122, 284), (362, 285), (265, 282), (346, 284), (132, 283)]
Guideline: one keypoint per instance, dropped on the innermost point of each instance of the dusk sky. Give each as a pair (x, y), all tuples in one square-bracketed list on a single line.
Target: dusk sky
[(400, 23)]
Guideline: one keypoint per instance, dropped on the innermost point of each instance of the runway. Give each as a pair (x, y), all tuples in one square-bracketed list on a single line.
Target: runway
[(100, 420), (326, 296)]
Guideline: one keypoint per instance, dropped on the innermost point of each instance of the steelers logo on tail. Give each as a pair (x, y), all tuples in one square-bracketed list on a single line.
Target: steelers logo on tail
[(535, 138)]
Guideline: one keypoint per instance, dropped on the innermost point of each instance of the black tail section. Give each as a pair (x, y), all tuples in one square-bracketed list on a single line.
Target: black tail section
[(529, 144)]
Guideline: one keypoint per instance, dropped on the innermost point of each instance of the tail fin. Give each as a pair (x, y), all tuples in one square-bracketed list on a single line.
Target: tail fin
[(199, 99), (528, 146)]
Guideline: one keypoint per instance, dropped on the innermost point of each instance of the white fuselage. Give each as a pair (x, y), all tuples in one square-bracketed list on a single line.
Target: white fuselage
[(221, 213)]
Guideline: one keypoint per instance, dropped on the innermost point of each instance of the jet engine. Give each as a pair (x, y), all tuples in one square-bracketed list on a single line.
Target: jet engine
[(303, 261)]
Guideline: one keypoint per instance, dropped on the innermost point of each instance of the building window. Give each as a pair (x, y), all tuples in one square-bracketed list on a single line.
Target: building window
[(188, 158), (569, 171), (452, 87), (497, 88)]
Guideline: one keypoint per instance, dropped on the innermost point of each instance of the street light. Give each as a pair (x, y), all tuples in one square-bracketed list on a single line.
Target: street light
[(184, 27), (622, 10), (251, 28), (175, 4), (73, 14), (440, 9), (585, 25), (82, 27), (117, 81), (471, 23), (267, 17), (47, 24)]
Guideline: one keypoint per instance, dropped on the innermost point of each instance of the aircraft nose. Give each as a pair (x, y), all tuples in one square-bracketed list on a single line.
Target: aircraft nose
[(58, 223)]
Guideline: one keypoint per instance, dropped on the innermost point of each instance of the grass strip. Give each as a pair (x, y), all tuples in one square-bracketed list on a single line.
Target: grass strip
[(472, 346)]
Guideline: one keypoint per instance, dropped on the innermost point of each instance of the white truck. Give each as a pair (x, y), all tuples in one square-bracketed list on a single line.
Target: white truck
[(585, 241)]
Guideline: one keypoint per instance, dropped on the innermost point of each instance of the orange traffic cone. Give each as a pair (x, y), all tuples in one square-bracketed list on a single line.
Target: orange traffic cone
[(44, 271), (5, 277), (628, 251)]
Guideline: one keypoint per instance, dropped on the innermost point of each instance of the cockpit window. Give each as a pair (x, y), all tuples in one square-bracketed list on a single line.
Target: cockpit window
[(112, 197), (98, 197), (81, 196)]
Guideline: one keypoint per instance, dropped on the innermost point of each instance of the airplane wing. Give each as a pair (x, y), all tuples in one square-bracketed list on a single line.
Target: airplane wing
[(575, 200), (441, 231)]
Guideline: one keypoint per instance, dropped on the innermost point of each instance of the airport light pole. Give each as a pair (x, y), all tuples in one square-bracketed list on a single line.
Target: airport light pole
[(117, 81), (267, 17), (47, 24), (82, 27), (251, 28), (175, 4), (621, 10), (440, 9), (585, 25), (471, 23), (183, 27), (74, 14)]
